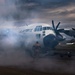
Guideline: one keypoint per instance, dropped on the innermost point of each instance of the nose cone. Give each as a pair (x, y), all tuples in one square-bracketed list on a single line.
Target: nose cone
[(50, 41)]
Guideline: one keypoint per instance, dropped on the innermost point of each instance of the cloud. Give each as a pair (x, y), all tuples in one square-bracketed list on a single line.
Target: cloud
[(47, 3), (32, 11), (48, 8)]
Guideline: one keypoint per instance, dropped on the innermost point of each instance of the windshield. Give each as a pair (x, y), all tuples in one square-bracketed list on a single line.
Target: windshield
[(38, 28), (47, 28)]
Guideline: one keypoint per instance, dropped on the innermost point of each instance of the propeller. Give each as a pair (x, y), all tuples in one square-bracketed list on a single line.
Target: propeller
[(53, 25), (56, 28), (57, 31), (73, 29), (57, 25)]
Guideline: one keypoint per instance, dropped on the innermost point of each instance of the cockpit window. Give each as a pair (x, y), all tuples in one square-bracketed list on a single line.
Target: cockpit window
[(38, 28), (47, 28), (44, 28)]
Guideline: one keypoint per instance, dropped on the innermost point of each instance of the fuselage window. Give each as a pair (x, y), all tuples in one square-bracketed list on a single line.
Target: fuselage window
[(38, 28), (47, 28), (38, 36), (43, 34), (26, 30), (44, 28)]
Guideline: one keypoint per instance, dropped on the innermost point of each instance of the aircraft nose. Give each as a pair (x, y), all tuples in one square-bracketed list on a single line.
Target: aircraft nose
[(50, 41)]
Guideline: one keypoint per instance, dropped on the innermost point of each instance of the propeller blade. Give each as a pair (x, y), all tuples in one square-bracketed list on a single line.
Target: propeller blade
[(53, 24), (57, 25), (60, 30), (73, 28)]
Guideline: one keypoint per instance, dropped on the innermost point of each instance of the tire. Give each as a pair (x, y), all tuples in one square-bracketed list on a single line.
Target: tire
[(69, 55)]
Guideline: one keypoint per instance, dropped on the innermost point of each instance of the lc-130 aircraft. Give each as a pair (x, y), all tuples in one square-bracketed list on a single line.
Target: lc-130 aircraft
[(45, 34)]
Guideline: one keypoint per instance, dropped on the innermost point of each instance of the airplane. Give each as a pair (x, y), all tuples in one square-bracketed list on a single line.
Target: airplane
[(48, 36)]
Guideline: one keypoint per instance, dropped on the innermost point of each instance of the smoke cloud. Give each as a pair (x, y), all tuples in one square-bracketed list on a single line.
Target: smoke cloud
[(15, 51)]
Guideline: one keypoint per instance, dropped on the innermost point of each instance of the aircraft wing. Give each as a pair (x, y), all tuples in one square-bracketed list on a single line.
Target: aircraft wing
[(68, 32)]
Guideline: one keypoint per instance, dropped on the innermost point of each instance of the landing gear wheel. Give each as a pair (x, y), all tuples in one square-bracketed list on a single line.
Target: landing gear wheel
[(69, 55)]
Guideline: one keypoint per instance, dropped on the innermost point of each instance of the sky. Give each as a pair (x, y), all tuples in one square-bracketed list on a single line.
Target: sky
[(23, 12)]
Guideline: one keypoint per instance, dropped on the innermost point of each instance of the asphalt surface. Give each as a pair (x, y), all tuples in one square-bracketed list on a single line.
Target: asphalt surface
[(42, 66)]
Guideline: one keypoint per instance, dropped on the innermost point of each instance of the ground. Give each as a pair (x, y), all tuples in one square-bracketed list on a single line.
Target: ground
[(49, 65), (17, 71)]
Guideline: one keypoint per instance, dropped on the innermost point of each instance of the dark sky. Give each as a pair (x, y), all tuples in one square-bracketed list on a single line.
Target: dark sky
[(35, 11)]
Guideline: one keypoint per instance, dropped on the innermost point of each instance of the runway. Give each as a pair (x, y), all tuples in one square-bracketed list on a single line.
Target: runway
[(42, 66), (54, 65)]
